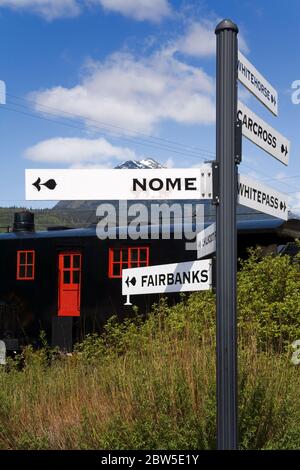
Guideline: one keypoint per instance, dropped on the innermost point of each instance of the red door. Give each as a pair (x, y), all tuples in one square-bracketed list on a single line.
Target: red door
[(69, 277)]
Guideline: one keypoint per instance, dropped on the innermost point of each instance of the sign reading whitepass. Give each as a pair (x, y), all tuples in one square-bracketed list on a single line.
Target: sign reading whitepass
[(250, 77), (262, 198), (164, 278), (113, 184)]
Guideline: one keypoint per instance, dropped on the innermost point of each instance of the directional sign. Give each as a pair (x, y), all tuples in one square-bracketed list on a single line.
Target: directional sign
[(257, 84), (262, 198), (84, 184), (206, 241), (164, 278), (263, 135)]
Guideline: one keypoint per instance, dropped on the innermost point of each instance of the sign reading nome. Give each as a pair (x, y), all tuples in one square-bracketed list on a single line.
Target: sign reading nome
[(116, 184)]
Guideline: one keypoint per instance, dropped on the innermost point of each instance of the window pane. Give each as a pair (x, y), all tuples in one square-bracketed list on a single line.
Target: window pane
[(134, 265), (22, 258), (67, 277), (125, 265), (29, 257), (125, 254), (116, 254), (76, 261), (134, 254), (143, 254), (116, 270), (29, 271), (22, 271), (76, 277), (67, 261)]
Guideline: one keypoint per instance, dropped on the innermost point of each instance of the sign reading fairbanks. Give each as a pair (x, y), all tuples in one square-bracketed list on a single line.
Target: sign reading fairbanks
[(175, 277), (262, 198), (85, 184)]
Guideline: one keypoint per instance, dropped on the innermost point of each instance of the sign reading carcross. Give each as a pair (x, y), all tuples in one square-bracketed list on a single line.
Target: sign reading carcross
[(164, 278), (257, 84), (84, 184), (263, 135)]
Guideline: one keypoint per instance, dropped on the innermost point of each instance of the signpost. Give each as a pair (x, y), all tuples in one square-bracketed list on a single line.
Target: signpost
[(164, 278), (263, 135), (262, 198), (206, 241), (226, 253), (84, 184), (257, 84)]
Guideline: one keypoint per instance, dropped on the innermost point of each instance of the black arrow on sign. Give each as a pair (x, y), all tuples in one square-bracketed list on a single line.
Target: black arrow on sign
[(50, 184), (284, 149), (282, 206), (130, 281)]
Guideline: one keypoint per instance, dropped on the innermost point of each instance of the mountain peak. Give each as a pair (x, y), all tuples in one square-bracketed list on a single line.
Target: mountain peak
[(139, 164)]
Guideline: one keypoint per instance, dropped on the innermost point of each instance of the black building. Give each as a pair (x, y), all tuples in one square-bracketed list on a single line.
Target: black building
[(68, 282)]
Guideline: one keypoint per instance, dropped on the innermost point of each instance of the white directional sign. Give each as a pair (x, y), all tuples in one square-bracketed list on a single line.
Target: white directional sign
[(257, 84), (263, 135), (262, 198), (164, 278), (84, 184), (206, 241)]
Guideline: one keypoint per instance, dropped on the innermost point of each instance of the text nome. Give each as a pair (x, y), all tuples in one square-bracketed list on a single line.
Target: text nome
[(166, 184)]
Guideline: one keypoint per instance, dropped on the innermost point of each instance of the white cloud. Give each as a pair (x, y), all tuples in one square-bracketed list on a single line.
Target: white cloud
[(135, 94), (78, 153), (49, 9), (200, 40), (152, 10)]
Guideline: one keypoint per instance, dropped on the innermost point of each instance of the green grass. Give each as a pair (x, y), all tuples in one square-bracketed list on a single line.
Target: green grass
[(150, 384)]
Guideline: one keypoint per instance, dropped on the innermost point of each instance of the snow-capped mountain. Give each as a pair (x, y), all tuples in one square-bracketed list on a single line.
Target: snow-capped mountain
[(139, 164)]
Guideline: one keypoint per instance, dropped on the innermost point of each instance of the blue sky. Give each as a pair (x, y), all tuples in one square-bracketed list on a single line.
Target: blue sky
[(91, 83)]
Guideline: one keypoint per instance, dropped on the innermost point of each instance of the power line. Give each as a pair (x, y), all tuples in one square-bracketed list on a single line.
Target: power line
[(106, 126)]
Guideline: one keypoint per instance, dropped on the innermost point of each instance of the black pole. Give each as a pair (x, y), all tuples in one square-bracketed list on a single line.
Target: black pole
[(226, 259)]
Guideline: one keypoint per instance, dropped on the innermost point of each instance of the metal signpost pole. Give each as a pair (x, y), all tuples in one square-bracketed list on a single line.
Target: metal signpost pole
[(226, 259)]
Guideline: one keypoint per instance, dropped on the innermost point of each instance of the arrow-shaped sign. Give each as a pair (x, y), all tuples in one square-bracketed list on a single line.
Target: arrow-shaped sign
[(115, 184), (263, 135), (164, 278), (250, 77), (262, 198)]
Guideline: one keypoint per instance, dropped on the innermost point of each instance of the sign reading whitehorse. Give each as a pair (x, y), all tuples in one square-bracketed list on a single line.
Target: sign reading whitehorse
[(263, 135), (257, 84), (262, 198), (85, 184), (164, 278)]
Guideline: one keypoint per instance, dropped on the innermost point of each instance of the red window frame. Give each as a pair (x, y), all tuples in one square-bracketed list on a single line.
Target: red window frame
[(22, 262), (123, 257)]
